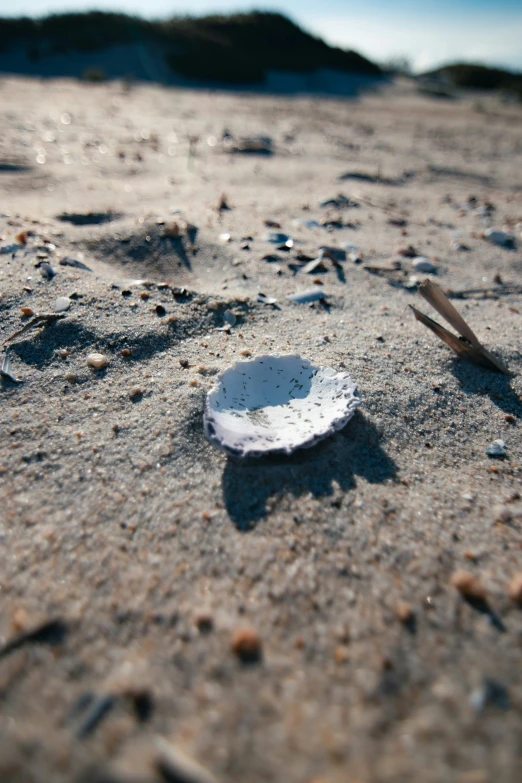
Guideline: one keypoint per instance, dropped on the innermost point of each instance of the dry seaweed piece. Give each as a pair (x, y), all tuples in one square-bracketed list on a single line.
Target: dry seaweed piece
[(51, 632), (67, 261), (467, 345), (98, 710), (38, 320), (5, 370)]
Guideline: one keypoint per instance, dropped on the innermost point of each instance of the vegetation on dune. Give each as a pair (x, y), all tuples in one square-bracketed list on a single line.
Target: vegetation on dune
[(237, 48), (479, 77), (258, 42)]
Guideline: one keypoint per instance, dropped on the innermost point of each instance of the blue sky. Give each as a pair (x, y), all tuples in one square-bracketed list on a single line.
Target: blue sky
[(428, 33)]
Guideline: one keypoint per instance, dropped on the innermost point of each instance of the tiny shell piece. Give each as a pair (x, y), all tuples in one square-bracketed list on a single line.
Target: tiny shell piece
[(277, 404), (276, 238), (62, 303), (496, 449), (317, 265), (305, 297), (5, 371), (501, 238), (422, 264), (97, 360), (264, 299)]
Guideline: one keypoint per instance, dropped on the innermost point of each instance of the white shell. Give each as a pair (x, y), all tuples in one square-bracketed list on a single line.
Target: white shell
[(97, 360), (422, 264), (310, 295), (501, 238), (277, 404), (496, 449), (62, 304)]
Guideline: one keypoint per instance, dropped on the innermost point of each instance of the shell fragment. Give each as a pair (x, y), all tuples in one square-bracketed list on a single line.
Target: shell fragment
[(277, 404)]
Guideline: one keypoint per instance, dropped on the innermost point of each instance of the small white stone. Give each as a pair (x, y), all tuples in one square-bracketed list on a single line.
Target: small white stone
[(496, 449), (501, 238), (412, 282), (62, 304), (97, 360), (422, 264), (225, 238)]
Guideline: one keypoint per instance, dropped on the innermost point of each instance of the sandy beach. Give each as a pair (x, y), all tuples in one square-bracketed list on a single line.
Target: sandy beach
[(139, 561)]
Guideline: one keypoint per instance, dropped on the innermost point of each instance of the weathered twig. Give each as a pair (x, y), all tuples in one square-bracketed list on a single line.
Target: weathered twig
[(5, 370), (467, 345), (51, 632)]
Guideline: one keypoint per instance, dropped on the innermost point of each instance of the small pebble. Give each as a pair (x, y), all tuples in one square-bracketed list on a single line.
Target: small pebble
[(172, 230), (126, 352), (135, 392), (501, 238), (27, 311), (144, 295), (468, 585), (160, 310), (509, 418), (62, 304), (246, 644), (496, 449), (229, 317), (460, 246), (341, 654), (203, 620), (97, 360), (422, 264), (246, 352), (404, 612), (70, 377), (515, 589), (184, 363), (407, 252), (276, 238), (47, 271)]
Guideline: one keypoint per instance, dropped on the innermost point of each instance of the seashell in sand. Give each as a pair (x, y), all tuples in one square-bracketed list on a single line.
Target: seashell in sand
[(308, 296), (277, 404)]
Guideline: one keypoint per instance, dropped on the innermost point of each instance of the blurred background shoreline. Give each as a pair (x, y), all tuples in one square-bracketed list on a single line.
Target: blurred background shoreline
[(263, 51)]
